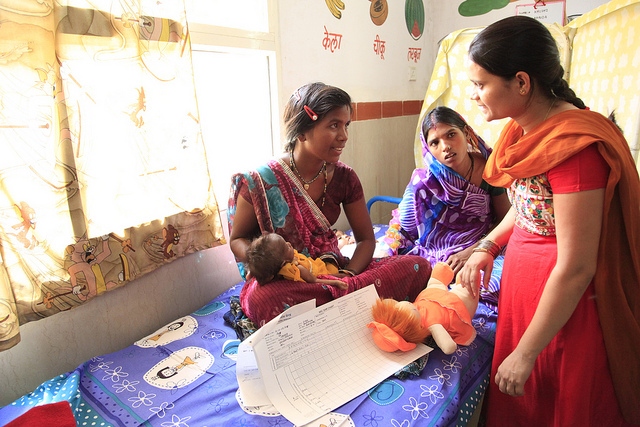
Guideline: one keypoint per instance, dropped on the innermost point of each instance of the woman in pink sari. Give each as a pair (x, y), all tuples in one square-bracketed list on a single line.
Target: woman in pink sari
[(300, 196)]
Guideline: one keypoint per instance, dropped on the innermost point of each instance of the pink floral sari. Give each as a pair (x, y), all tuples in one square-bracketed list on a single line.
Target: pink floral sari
[(282, 206)]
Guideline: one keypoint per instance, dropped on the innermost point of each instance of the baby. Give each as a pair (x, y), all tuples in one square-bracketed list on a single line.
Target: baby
[(344, 239), (270, 256)]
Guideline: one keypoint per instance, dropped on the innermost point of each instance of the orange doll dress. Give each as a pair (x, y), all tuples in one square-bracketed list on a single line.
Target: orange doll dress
[(437, 306), (290, 270)]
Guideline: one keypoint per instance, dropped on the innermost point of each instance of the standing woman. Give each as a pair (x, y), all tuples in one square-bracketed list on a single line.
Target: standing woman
[(568, 336), (300, 196)]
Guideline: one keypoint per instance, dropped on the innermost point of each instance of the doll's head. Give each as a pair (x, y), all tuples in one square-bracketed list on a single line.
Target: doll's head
[(396, 325), (399, 325), (266, 256)]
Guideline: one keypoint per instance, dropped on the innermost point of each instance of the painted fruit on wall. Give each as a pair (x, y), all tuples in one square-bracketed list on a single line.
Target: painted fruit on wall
[(378, 10), (335, 7), (414, 17)]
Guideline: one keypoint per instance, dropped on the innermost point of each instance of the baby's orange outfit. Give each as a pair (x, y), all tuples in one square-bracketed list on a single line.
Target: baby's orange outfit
[(290, 271)]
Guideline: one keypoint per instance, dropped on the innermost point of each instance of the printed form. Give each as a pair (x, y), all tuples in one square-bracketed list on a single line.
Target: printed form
[(319, 360)]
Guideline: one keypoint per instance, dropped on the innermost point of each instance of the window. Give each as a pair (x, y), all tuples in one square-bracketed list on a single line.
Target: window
[(233, 49)]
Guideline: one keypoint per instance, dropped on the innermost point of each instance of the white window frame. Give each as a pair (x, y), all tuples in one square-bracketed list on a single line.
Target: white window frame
[(212, 38)]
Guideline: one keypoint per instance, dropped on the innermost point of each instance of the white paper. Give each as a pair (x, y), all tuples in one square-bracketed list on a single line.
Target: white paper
[(320, 360), (250, 382)]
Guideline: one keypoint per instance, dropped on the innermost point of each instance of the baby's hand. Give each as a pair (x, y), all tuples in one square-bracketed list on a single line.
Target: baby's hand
[(336, 283)]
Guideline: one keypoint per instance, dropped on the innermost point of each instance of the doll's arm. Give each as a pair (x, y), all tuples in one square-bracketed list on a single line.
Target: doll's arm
[(443, 339)]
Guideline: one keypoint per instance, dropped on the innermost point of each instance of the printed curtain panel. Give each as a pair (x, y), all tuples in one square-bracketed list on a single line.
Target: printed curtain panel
[(103, 170), (605, 64), (450, 85)]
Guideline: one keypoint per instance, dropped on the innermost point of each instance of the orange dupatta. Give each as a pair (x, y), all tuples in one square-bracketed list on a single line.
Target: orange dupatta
[(617, 278)]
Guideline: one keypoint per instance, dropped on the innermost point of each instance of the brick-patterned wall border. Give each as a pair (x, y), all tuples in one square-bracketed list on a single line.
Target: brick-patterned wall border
[(382, 110)]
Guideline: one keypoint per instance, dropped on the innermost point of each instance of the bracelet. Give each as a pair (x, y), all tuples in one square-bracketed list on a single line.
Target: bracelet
[(488, 246), (348, 271)]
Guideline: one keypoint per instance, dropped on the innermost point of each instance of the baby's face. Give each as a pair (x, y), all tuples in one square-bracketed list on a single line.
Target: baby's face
[(289, 254)]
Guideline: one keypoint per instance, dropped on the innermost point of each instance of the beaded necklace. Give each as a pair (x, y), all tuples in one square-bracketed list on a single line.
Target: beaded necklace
[(307, 183), (470, 171)]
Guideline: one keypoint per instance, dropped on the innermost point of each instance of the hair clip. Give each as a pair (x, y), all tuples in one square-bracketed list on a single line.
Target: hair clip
[(297, 94), (311, 114)]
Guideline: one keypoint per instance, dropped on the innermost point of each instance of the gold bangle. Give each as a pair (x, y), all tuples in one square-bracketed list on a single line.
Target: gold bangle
[(488, 246)]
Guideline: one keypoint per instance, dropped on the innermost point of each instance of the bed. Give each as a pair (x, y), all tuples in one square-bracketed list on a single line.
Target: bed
[(184, 375)]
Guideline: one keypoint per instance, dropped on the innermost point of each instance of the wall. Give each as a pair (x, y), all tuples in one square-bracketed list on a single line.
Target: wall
[(356, 67), (380, 149)]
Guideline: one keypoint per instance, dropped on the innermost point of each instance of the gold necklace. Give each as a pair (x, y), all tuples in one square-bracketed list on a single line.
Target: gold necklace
[(305, 182), (549, 110)]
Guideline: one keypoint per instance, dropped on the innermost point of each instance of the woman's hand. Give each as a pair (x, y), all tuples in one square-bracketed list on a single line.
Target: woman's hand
[(470, 276), (457, 261), (513, 373)]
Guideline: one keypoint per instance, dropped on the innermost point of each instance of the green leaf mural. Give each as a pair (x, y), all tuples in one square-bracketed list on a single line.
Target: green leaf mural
[(480, 7)]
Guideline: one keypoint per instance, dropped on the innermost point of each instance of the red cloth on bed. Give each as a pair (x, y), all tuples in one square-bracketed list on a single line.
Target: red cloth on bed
[(50, 415)]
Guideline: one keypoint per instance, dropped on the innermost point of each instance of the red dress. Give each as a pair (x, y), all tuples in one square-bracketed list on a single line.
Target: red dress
[(570, 384)]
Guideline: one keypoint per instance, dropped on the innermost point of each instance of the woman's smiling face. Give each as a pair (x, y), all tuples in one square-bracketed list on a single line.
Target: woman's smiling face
[(496, 97), (329, 136)]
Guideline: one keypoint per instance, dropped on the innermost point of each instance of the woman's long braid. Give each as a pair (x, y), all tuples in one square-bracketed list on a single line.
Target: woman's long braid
[(560, 89)]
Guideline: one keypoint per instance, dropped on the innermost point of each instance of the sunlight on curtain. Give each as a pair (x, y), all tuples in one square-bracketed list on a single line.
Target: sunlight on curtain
[(104, 173)]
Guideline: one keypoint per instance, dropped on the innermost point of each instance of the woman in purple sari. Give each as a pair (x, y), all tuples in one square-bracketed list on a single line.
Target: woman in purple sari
[(299, 196), (447, 206)]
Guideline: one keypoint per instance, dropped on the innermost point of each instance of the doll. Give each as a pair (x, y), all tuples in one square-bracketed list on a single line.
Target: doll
[(444, 314), (270, 256)]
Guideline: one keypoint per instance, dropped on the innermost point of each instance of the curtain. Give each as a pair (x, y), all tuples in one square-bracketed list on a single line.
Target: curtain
[(605, 61), (102, 165)]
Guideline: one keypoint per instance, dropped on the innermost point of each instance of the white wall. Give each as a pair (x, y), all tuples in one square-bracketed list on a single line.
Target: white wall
[(354, 67), (381, 151)]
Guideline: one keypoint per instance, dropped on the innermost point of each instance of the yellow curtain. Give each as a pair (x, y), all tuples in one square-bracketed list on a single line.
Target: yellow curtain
[(103, 170), (605, 64)]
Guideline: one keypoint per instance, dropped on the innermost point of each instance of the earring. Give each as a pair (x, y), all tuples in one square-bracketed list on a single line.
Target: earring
[(522, 91)]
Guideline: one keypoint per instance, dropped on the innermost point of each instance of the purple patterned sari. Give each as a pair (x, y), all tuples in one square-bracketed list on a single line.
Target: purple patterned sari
[(442, 212)]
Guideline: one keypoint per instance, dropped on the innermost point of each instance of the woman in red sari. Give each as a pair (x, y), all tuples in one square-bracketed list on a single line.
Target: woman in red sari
[(568, 334), (299, 196)]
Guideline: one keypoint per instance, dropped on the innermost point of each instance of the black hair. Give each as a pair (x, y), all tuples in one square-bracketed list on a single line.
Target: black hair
[(442, 115), (263, 261), (521, 43), (317, 97)]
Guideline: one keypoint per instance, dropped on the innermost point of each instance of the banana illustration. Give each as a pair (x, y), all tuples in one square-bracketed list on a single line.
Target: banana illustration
[(336, 7)]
